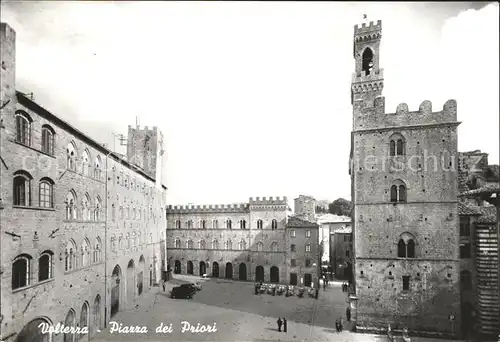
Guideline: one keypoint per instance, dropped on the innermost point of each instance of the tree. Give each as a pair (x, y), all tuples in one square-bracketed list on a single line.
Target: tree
[(340, 206)]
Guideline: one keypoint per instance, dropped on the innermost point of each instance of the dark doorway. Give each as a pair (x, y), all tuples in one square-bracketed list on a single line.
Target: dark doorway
[(229, 271), (177, 267), (203, 268), (275, 275), (243, 272), (215, 270), (293, 278), (307, 279), (259, 274), (467, 318), (115, 290), (190, 267)]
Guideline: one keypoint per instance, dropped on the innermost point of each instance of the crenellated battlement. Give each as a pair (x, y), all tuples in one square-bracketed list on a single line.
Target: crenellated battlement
[(364, 29), (268, 201), (145, 129), (236, 207), (370, 115)]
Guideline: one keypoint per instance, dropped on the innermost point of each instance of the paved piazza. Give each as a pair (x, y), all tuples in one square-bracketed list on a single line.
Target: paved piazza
[(240, 315)]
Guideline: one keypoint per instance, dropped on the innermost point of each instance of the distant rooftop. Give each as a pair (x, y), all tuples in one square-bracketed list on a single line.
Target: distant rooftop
[(332, 218)]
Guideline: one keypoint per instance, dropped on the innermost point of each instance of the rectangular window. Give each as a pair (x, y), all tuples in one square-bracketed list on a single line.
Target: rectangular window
[(464, 226), (308, 263), (293, 262), (308, 233), (292, 233), (308, 248), (347, 253), (406, 282), (465, 251)]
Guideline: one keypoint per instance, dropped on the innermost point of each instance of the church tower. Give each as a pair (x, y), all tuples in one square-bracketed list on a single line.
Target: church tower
[(404, 188), (368, 77)]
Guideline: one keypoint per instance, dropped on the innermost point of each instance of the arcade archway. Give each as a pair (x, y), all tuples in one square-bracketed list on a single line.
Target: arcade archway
[(242, 272), (229, 270), (215, 269), (275, 275)]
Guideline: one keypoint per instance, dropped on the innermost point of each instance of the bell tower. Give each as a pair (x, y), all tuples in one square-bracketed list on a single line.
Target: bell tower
[(368, 78)]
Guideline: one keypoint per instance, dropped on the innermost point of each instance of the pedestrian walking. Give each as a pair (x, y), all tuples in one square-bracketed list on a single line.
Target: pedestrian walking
[(324, 284), (163, 284), (341, 326), (284, 324), (348, 313), (337, 325), (280, 322)]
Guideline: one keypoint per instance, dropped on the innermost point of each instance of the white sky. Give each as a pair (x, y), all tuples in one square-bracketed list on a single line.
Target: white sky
[(253, 98)]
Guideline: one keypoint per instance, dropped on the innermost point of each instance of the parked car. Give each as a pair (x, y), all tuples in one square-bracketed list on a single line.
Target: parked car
[(183, 291)]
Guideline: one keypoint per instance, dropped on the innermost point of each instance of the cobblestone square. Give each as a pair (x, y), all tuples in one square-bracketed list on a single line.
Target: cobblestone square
[(239, 314)]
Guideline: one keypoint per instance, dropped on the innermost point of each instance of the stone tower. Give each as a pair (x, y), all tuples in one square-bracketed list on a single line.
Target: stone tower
[(404, 190), (145, 149), (305, 206)]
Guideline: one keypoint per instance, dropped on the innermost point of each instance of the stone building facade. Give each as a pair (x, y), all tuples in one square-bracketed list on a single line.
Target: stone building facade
[(237, 241), (83, 229), (479, 243), (342, 252), (303, 256), (405, 217)]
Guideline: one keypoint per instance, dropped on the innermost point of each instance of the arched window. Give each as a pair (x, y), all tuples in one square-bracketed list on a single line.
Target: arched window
[(292, 248), (260, 246), (406, 246), (203, 224), (45, 266), (22, 188), (229, 245), (243, 224), (177, 243), (410, 249), (465, 280), (86, 210), (71, 205), (85, 250), (274, 224), (367, 63), (71, 156), (23, 128), (46, 193), (189, 224), (215, 224), (97, 167), (401, 249), (392, 148), (229, 224), (398, 192), (178, 224), (259, 224), (397, 145), (113, 212), (242, 245), (274, 247), (21, 268), (201, 244), (400, 148), (128, 241), (215, 244), (48, 140), (97, 251), (97, 210), (70, 260), (86, 163), (189, 244)]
